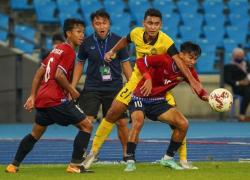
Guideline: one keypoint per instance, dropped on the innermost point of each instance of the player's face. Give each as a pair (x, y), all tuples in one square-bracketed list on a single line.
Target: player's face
[(101, 26), (76, 35), (152, 25), (188, 58)]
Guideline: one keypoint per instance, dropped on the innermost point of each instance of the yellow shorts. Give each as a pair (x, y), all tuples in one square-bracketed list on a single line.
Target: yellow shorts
[(125, 94)]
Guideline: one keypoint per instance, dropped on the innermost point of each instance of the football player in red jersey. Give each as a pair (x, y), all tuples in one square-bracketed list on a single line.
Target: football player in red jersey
[(49, 95), (160, 75)]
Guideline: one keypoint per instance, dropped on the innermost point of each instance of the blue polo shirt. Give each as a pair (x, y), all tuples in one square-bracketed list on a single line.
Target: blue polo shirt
[(93, 49)]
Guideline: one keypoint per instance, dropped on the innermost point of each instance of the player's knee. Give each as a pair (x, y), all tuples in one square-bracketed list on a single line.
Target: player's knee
[(85, 125), (181, 121), (122, 123)]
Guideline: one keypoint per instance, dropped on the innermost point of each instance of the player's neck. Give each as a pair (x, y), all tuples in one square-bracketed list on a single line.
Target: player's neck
[(149, 39), (71, 44)]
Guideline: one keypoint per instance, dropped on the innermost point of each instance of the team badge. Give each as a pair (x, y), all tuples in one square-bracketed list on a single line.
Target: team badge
[(153, 51)]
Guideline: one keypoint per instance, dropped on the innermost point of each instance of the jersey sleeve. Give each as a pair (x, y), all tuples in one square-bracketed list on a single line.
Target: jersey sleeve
[(172, 50), (82, 53), (203, 92), (66, 61)]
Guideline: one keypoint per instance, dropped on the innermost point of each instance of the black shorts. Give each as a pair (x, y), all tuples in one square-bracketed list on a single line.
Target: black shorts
[(63, 114), (90, 102), (150, 110)]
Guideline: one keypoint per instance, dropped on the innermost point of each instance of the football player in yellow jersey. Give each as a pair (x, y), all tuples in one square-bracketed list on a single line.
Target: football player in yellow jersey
[(148, 40)]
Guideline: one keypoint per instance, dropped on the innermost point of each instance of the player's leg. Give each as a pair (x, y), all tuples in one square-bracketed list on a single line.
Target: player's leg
[(175, 118), (137, 116), (122, 130), (28, 142), (183, 148), (122, 125), (118, 107)]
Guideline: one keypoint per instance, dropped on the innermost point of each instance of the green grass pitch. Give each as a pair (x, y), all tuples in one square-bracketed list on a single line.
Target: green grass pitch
[(144, 171)]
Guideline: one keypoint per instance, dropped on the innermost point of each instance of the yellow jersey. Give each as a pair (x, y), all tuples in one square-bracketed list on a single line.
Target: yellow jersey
[(160, 46)]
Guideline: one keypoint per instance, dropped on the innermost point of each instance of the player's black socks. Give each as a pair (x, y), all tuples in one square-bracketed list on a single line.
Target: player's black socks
[(173, 147), (24, 148), (80, 145), (131, 147)]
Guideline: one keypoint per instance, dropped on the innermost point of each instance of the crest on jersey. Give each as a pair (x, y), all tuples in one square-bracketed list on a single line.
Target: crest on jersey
[(153, 51), (175, 68)]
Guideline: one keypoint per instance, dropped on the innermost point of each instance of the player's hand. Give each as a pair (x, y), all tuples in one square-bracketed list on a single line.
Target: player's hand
[(30, 103), (74, 94), (109, 56), (146, 87)]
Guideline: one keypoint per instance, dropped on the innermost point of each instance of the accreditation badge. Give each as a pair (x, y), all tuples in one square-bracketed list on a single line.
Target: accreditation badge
[(106, 73)]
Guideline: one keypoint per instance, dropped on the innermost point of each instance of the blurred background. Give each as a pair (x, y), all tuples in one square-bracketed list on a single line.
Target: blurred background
[(27, 27)]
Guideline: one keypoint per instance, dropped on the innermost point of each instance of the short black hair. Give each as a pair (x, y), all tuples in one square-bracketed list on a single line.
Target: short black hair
[(153, 12), (57, 37), (190, 47), (99, 13), (70, 23)]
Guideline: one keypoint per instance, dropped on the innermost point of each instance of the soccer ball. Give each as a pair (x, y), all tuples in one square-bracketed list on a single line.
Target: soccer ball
[(220, 100)]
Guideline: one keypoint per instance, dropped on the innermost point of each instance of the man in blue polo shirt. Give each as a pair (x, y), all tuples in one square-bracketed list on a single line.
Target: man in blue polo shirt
[(103, 79)]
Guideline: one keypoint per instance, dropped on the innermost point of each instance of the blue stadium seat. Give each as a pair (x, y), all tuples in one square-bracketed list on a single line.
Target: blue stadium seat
[(24, 45), (170, 21), (21, 5), (237, 34), (193, 20), (214, 7), (187, 7), (214, 34), (205, 64), (214, 20), (25, 32), (189, 33), (165, 6), (138, 8), (239, 20), (3, 35), (239, 7), (120, 18), (121, 30), (4, 21), (45, 11), (89, 6), (114, 6), (229, 45), (88, 30)]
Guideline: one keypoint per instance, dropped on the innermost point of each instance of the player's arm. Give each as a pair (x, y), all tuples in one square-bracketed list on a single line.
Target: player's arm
[(62, 80), (127, 69), (77, 73), (122, 43), (173, 52), (30, 102), (203, 95)]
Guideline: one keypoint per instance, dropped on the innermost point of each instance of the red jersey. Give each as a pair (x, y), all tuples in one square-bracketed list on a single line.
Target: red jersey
[(50, 93), (164, 73)]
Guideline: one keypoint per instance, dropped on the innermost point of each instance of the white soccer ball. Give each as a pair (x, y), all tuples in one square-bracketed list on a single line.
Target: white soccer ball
[(220, 100)]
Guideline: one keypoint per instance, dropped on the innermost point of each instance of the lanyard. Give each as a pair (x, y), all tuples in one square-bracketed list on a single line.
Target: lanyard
[(99, 49)]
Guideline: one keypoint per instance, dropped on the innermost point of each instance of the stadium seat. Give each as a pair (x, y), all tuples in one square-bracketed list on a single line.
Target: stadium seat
[(214, 34), (237, 34), (165, 6), (121, 30), (114, 7), (3, 35), (189, 33), (45, 11), (88, 30), (205, 63), (4, 23), (214, 7), (89, 6), (187, 7), (25, 46), (22, 5), (138, 8), (239, 7), (25, 32)]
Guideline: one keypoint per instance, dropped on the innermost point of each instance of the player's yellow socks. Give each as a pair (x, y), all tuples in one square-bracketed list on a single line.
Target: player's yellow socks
[(102, 132), (183, 150)]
